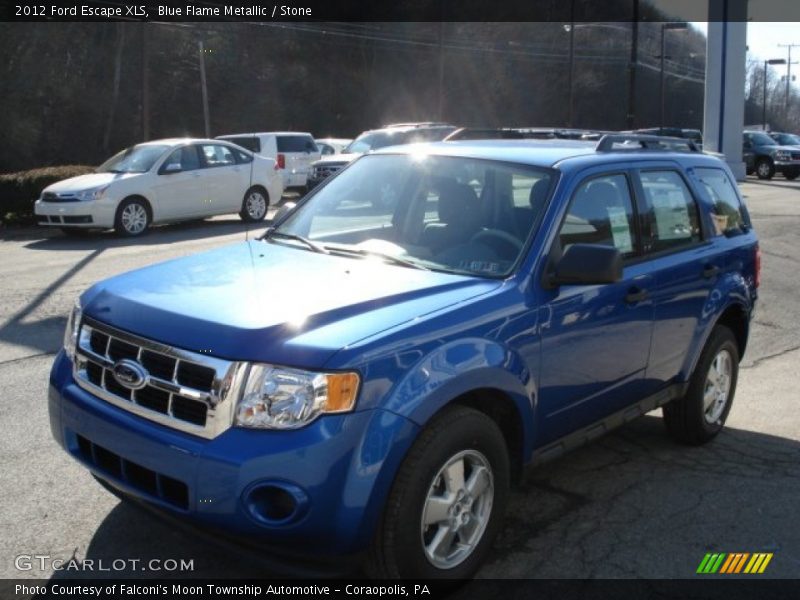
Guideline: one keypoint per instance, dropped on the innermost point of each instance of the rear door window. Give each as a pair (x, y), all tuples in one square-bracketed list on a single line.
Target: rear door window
[(242, 157), (296, 143), (217, 155), (727, 213), (669, 215)]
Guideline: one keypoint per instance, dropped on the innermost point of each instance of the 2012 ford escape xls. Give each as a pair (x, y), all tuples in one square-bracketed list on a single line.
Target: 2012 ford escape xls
[(369, 378)]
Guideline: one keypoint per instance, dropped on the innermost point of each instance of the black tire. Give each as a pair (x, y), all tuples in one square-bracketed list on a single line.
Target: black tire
[(398, 549), (129, 227), (791, 175), (78, 232), (687, 419), (255, 205), (765, 168)]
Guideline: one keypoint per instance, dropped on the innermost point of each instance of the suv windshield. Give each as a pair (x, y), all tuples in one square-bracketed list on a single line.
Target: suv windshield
[(443, 213), (372, 141), (762, 139), (137, 159), (788, 139)]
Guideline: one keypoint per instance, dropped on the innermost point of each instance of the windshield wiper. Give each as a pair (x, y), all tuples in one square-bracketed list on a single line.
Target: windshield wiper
[(272, 232), (387, 257)]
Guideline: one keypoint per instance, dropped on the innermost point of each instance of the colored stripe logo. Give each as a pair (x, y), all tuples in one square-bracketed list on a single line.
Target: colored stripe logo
[(734, 563)]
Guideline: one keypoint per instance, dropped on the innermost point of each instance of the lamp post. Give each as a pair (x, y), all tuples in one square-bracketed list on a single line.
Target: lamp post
[(571, 32), (772, 61), (570, 29), (664, 28)]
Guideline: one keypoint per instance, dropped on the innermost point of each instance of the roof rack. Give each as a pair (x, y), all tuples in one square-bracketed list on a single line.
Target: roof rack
[(484, 133), (417, 124), (612, 142)]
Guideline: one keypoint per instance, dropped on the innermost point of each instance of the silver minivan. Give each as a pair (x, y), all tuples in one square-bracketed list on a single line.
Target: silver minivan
[(293, 152)]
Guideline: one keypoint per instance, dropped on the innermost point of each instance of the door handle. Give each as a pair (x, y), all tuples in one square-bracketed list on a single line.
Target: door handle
[(710, 271), (635, 295)]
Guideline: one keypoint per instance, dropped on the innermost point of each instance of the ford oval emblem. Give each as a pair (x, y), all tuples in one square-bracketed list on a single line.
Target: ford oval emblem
[(129, 374)]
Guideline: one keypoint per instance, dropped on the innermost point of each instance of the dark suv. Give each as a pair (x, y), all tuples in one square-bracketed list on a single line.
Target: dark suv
[(366, 382), (764, 156), (390, 135)]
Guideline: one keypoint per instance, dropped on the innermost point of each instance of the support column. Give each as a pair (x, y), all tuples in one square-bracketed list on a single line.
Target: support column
[(723, 118)]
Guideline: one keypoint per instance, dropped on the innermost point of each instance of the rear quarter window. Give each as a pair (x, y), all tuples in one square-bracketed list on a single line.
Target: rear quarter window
[(727, 213), (669, 216), (295, 143), (248, 143)]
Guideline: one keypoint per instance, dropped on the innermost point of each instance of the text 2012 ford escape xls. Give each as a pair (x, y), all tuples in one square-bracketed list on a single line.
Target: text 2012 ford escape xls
[(369, 378)]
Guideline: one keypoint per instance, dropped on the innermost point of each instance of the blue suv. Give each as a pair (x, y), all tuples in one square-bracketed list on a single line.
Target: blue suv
[(370, 378)]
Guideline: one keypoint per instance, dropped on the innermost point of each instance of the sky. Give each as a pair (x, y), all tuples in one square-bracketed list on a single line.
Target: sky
[(763, 39), (763, 36)]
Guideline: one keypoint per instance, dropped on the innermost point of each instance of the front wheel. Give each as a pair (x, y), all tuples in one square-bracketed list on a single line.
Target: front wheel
[(132, 219), (765, 169), (254, 205), (700, 415), (447, 502)]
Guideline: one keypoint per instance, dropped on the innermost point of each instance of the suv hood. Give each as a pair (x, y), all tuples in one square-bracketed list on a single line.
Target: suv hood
[(272, 302), (88, 182), (336, 159)]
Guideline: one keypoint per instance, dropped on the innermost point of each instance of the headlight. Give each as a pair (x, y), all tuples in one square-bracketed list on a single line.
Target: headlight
[(782, 155), (280, 398), (90, 195), (71, 333)]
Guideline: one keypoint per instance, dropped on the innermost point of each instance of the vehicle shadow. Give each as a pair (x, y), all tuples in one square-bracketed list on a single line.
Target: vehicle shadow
[(785, 184), (163, 234), (42, 335), (631, 504)]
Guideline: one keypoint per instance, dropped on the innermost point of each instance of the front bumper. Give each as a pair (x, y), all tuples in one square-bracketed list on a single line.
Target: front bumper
[(294, 179), (74, 214), (342, 466), (791, 166)]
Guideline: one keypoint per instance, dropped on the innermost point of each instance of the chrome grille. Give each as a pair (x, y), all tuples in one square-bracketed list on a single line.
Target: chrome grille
[(62, 197), (184, 390)]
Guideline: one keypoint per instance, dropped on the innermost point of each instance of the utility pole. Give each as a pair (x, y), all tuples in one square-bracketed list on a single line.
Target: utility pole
[(203, 88), (767, 63), (571, 95), (678, 25), (788, 69), (440, 113), (631, 119), (145, 84)]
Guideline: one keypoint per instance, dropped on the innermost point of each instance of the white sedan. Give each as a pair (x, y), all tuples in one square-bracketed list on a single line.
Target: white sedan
[(161, 181)]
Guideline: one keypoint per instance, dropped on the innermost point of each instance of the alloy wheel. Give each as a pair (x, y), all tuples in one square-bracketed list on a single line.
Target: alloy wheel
[(134, 218), (256, 205), (717, 387), (457, 509)]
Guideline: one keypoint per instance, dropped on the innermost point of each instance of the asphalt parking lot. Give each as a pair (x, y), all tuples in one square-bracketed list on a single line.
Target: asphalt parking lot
[(632, 504)]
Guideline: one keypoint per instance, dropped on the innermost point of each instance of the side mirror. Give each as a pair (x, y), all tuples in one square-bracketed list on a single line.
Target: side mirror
[(172, 168), (588, 264), (284, 210)]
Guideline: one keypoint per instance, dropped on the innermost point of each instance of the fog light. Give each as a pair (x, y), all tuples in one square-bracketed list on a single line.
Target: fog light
[(275, 503)]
